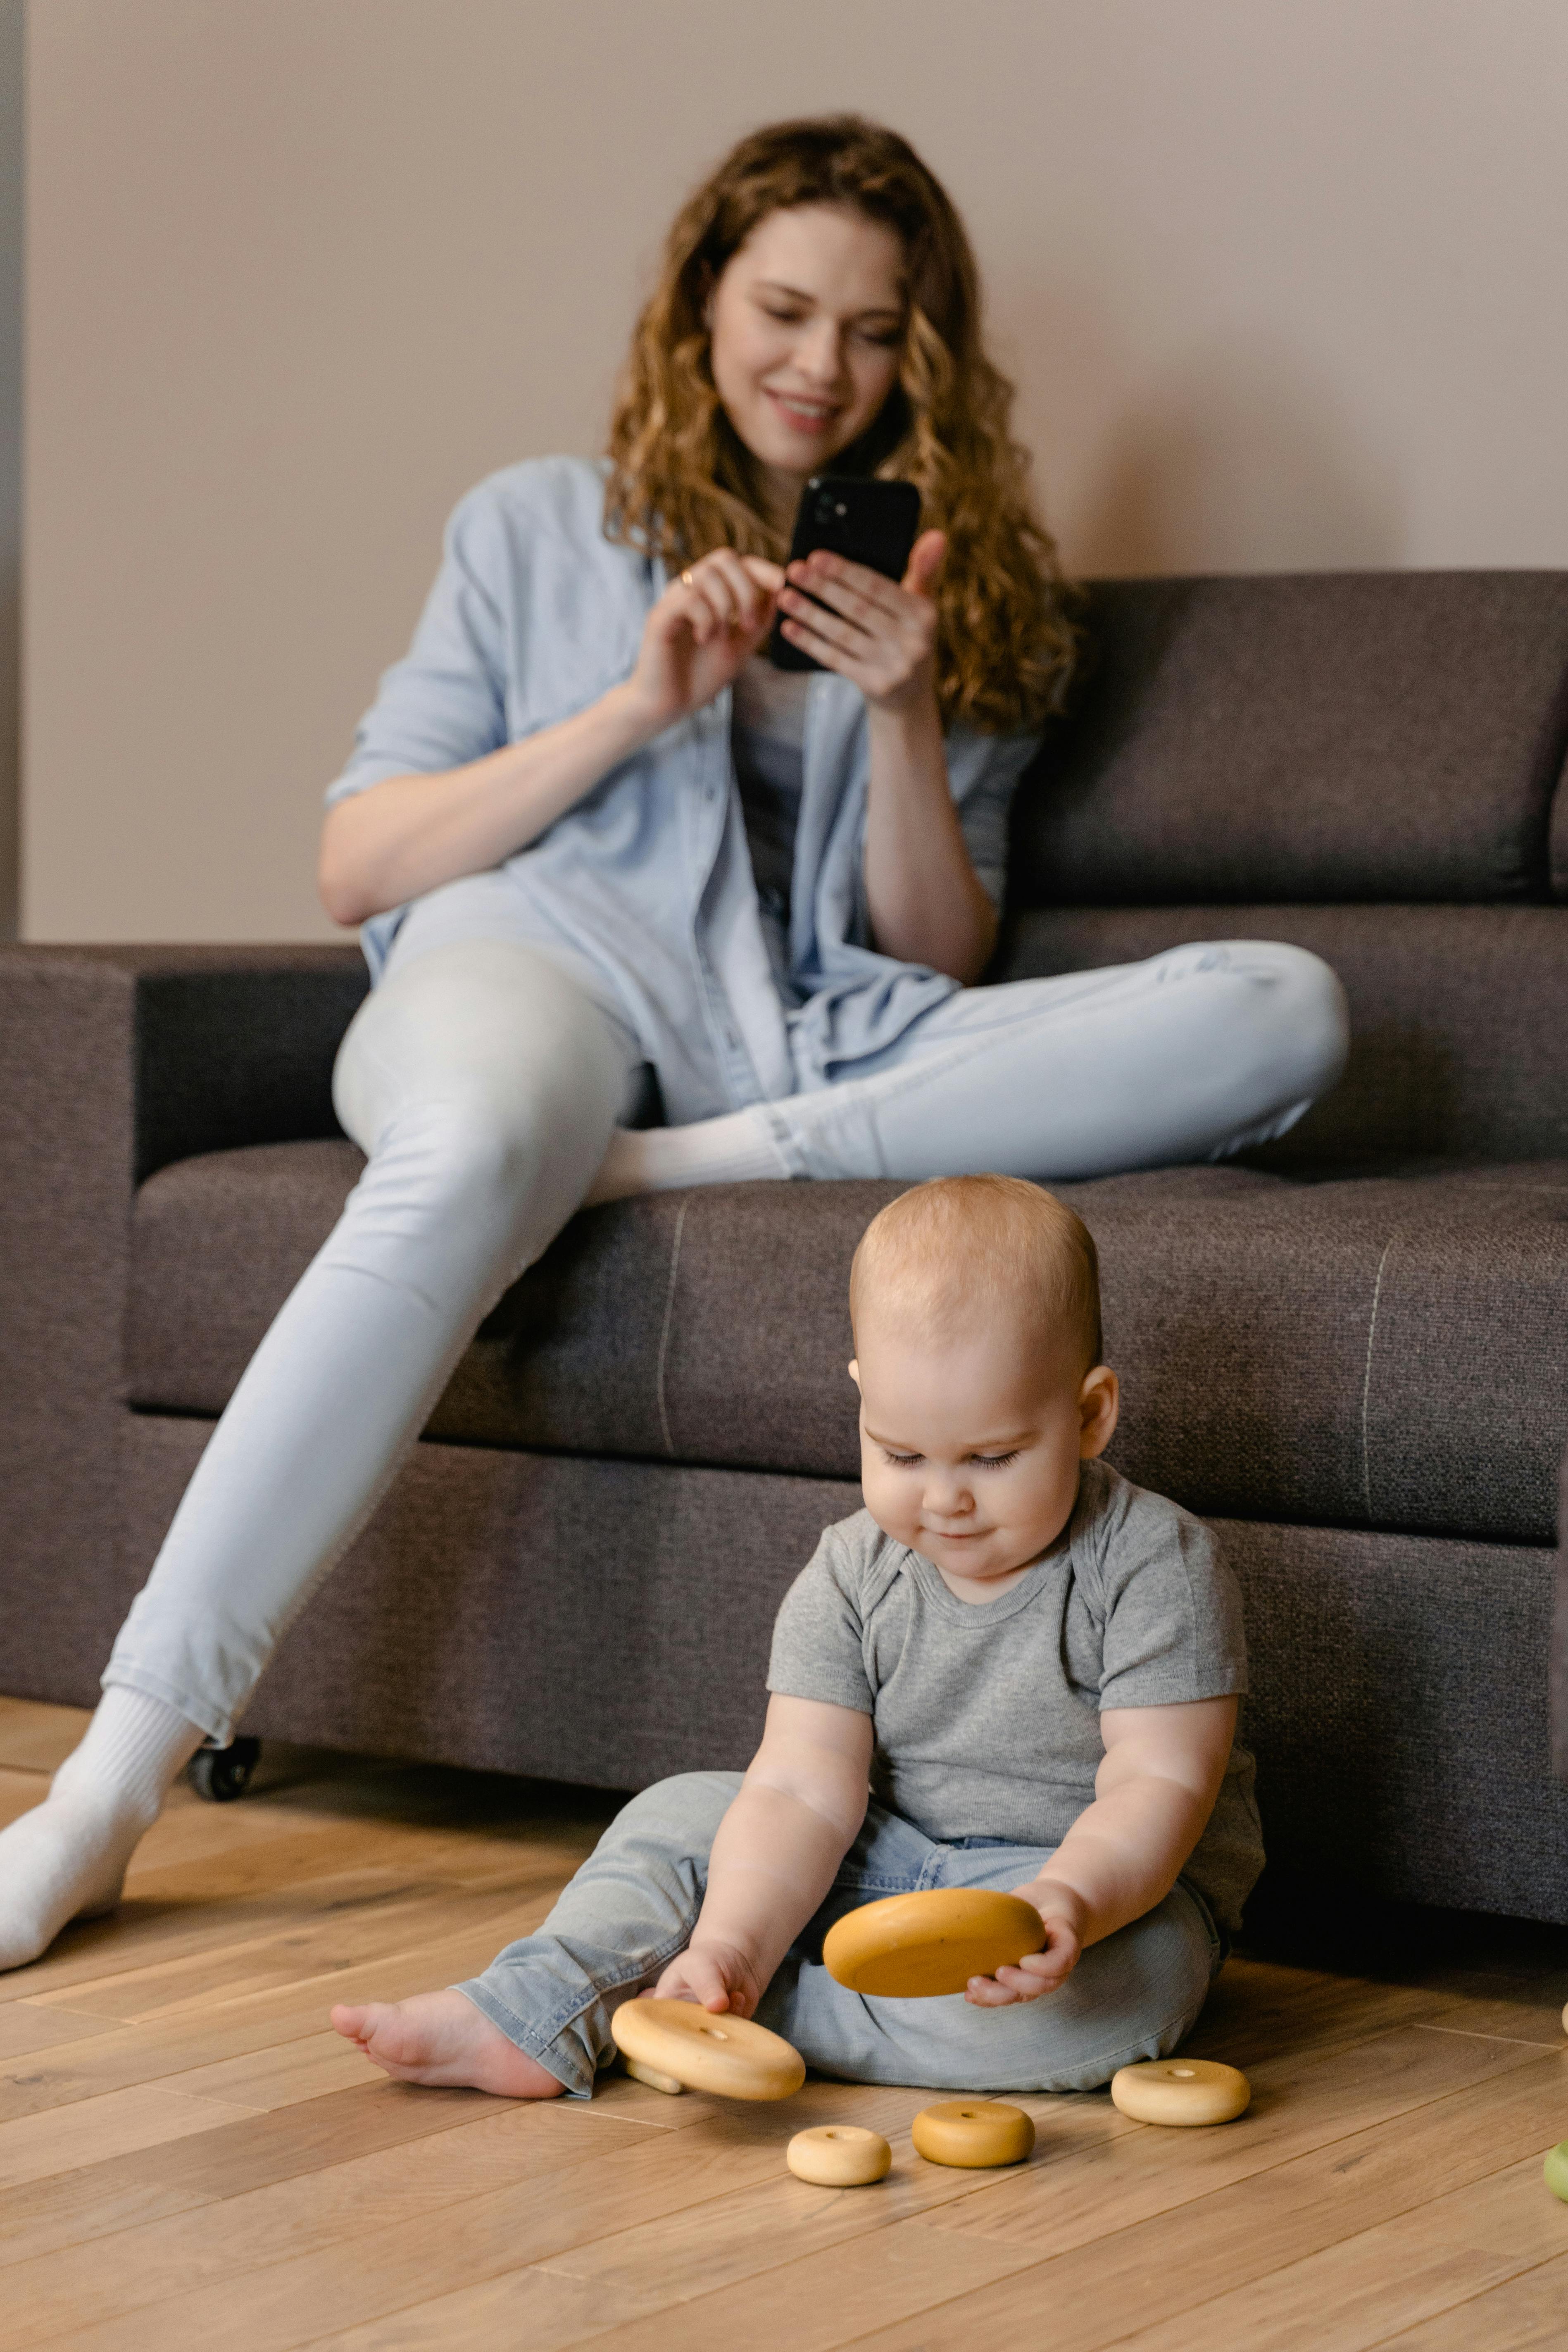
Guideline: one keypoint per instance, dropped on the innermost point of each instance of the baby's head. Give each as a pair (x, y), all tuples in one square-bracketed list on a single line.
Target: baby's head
[(975, 1303)]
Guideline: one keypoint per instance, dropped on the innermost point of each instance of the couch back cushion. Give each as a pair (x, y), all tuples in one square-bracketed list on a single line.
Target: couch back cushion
[(1328, 736)]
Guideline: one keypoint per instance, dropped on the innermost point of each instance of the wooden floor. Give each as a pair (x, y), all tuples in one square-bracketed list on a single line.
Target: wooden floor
[(192, 2161)]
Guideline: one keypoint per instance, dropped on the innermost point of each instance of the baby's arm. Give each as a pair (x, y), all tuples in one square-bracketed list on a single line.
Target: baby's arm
[(778, 1847), (1153, 1793)]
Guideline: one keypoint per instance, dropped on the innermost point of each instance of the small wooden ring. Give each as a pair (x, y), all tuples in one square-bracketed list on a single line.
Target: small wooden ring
[(972, 2132), (729, 2055), (838, 2155), (1181, 2091)]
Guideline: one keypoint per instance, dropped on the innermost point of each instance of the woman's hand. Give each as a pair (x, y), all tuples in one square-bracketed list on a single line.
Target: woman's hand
[(413, 833), (703, 629), (925, 900), (881, 633)]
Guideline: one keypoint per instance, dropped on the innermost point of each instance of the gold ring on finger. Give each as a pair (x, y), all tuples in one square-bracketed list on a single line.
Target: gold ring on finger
[(687, 581)]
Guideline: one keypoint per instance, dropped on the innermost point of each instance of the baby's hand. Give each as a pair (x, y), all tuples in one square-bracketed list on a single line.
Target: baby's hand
[(715, 1976), (1063, 1911)]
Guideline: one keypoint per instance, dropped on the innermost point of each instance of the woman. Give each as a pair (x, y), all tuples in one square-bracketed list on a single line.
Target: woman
[(595, 840)]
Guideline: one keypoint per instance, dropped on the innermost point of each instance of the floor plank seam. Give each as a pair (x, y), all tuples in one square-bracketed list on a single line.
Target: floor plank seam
[(1513, 2040), (644, 2123), (41, 2005)]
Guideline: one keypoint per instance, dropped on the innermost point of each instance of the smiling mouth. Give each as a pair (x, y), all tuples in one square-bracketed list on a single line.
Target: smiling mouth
[(806, 416)]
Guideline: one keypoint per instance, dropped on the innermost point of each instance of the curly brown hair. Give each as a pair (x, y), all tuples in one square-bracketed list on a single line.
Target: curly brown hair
[(682, 481)]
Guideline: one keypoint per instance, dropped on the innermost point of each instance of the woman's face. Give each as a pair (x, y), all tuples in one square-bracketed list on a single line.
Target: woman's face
[(806, 323)]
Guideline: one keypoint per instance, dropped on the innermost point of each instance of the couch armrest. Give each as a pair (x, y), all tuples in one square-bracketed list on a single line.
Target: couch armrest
[(1560, 1638), (113, 1062), (229, 1045)]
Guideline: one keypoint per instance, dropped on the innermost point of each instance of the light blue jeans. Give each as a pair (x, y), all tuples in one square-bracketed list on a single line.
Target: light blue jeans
[(483, 1080), (633, 1905)]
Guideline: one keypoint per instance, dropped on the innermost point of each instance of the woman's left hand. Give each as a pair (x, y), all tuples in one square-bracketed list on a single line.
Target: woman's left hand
[(879, 633)]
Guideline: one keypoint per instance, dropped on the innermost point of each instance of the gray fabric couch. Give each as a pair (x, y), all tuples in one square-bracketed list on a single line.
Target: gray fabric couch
[(1351, 1352)]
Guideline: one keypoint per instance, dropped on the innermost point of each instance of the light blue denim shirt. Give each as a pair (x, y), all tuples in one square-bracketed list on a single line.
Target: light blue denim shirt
[(646, 882)]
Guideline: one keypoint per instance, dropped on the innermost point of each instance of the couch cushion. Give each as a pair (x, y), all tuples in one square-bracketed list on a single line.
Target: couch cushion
[(1363, 735), (1458, 1016), (1387, 1352)]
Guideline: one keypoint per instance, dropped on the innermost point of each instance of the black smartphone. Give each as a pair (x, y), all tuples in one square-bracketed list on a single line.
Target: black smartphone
[(865, 521)]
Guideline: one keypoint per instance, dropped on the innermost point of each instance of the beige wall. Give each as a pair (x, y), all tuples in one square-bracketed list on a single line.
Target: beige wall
[(1281, 281)]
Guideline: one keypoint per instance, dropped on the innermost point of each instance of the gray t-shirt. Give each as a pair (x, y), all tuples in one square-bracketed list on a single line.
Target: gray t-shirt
[(988, 1714)]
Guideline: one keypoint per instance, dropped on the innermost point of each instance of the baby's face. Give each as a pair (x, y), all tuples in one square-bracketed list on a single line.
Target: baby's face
[(970, 1446)]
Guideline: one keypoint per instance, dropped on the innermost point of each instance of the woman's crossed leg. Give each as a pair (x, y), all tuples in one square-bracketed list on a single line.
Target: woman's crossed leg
[(1190, 1054)]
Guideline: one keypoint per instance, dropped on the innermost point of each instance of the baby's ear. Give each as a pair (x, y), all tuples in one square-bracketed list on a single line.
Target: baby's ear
[(1099, 1406), (855, 1370)]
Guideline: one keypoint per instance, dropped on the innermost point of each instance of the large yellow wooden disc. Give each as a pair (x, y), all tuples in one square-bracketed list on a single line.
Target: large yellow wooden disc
[(730, 2055), (910, 1947)]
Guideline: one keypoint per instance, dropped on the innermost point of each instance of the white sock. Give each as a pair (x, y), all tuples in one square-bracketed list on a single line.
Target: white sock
[(733, 1150), (66, 1859)]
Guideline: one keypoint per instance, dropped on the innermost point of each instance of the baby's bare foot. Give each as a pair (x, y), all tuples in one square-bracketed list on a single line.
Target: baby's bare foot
[(441, 2037)]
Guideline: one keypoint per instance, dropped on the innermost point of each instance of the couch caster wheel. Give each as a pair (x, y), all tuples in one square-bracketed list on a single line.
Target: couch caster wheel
[(221, 1774)]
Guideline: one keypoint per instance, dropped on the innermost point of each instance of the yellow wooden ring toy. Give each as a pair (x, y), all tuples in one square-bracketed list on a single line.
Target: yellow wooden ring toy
[(910, 1947), (651, 2076), (1554, 2171), (730, 2055), (838, 2155), (973, 2132), (1181, 2091)]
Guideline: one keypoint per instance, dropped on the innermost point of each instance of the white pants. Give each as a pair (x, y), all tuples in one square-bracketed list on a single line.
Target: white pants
[(483, 1085)]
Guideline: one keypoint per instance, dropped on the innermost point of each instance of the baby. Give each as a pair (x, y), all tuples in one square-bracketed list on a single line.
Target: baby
[(1012, 1669)]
